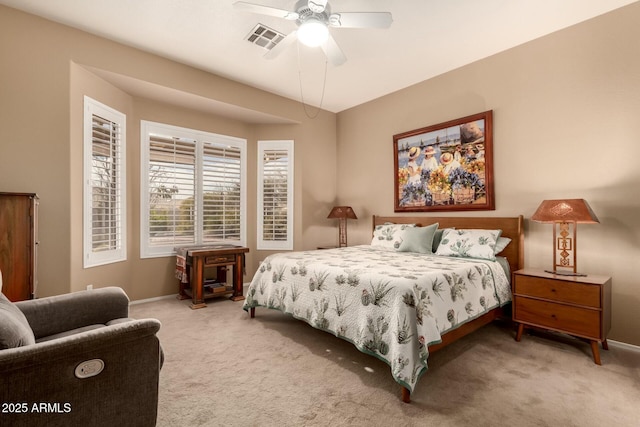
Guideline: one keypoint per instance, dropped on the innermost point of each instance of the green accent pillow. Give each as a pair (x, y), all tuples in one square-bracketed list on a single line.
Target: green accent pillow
[(14, 327), (418, 239)]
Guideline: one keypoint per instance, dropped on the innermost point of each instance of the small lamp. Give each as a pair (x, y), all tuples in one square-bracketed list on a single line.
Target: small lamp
[(565, 214), (342, 213)]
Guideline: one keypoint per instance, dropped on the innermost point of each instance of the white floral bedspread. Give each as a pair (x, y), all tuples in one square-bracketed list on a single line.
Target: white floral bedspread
[(389, 304)]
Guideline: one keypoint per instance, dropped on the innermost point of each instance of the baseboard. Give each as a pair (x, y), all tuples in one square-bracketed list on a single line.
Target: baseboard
[(142, 301), (624, 345)]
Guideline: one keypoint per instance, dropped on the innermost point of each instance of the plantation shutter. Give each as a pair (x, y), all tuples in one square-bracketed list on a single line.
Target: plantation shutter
[(221, 178), (171, 190), (104, 171), (105, 185), (275, 192), (195, 188)]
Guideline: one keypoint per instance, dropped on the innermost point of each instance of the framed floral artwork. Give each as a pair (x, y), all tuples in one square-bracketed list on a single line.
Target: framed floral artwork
[(445, 167)]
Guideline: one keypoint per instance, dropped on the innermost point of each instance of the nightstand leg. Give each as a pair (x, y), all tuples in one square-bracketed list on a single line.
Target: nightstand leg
[(605, 345), (519, 333), (596, 352)]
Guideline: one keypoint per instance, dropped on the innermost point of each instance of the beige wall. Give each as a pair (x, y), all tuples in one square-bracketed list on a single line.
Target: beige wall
[(47, 69), (566, 111)]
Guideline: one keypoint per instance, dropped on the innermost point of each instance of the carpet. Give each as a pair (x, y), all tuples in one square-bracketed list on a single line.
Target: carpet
[(223, 368)]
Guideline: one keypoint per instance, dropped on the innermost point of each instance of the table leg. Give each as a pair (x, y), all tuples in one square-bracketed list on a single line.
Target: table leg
[(596, 352), (197, 283), (238, 291), (519, 333)]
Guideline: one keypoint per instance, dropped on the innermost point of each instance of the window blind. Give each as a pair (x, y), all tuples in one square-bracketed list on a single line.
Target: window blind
[(221, 173), (104, 184), (195, 187), (171, 190), (275, 192)]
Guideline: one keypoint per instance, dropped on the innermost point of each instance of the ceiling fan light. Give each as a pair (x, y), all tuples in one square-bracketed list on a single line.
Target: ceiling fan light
[(313, 32)]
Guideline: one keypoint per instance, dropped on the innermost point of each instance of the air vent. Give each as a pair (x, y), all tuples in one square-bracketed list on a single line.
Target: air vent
[(265, 37)]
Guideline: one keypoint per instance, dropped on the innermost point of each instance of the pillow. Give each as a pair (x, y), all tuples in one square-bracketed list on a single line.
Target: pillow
[(469, 243), (389, 235), (14, 328), (418, 239), (501, 244), (437, 237)]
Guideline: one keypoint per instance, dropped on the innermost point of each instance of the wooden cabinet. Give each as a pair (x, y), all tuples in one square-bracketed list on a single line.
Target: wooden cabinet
[(18, 245), (575, 305)]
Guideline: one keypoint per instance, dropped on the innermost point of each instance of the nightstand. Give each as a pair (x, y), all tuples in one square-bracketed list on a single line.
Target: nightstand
[(574, 305)]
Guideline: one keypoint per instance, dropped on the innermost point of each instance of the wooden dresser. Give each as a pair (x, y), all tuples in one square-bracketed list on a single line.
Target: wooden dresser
[(575, 305), (18, 245)]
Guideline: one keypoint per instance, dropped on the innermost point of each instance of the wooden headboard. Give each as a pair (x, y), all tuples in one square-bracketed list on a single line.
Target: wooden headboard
[(512, 227)]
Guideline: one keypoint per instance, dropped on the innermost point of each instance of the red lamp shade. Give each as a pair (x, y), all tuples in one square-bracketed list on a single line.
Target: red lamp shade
[(565, 210)]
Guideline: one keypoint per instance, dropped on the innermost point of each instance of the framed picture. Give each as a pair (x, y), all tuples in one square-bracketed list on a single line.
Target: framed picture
[(445, 167)]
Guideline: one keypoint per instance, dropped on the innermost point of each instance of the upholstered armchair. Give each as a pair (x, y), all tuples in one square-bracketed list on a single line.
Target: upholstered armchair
[(78, 360)]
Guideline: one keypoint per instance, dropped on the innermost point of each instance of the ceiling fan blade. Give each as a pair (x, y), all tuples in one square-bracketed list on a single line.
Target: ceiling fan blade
[(280, 47), (317, 6), (265, 10), (333, 51), (361, 20)]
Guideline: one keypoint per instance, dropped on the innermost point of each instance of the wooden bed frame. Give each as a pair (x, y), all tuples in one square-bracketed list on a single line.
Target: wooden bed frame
[(512, 227)]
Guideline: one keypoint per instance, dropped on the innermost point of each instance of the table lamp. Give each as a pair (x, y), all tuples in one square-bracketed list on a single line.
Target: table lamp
[(342, 213), (565, 215)]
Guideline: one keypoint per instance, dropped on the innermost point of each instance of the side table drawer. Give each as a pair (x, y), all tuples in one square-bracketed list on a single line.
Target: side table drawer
[(573, 320), (558, 290), (219, 259)]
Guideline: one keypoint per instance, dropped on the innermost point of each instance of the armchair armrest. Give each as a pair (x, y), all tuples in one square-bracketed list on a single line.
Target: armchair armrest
[(124, 392), (52, 315)]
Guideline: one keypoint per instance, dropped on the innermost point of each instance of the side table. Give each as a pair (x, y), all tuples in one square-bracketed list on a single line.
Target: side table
[(574, 305), (197, 258)]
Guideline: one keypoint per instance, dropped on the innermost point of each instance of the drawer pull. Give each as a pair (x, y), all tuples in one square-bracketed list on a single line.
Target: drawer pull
[(553, 290)]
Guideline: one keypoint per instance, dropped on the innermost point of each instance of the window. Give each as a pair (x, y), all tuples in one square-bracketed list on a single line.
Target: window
[(105, 228), (193, 189), (275, 195)]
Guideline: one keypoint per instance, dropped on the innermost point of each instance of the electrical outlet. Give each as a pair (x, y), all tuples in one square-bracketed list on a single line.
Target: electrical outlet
[(89, 287)]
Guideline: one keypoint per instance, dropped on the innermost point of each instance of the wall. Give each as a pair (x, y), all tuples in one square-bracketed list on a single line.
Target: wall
[(564, 105), (46, 70), (565, 126)]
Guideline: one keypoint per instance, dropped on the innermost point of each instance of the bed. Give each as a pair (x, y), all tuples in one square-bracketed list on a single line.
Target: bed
[(393, 299)]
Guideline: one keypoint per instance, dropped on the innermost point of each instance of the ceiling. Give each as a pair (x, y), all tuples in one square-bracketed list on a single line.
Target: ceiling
[(427, 38)]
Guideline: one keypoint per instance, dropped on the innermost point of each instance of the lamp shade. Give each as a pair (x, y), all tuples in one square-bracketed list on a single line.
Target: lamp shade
[(342, 212), (565, 210)]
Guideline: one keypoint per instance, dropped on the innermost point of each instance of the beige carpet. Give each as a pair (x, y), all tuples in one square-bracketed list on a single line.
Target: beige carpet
[(224, 369)]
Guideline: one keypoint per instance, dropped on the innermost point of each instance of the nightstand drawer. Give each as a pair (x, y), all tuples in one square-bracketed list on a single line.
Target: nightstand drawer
[(573, 320), (558, 290)]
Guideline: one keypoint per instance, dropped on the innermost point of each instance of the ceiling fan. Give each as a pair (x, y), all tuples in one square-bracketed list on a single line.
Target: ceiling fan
[(314, 17)]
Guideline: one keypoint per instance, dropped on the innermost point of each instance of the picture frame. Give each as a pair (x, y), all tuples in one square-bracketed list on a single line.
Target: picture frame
[(445, 167)]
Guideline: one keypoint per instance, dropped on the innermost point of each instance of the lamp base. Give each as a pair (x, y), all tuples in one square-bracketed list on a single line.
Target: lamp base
[(565, 273)]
